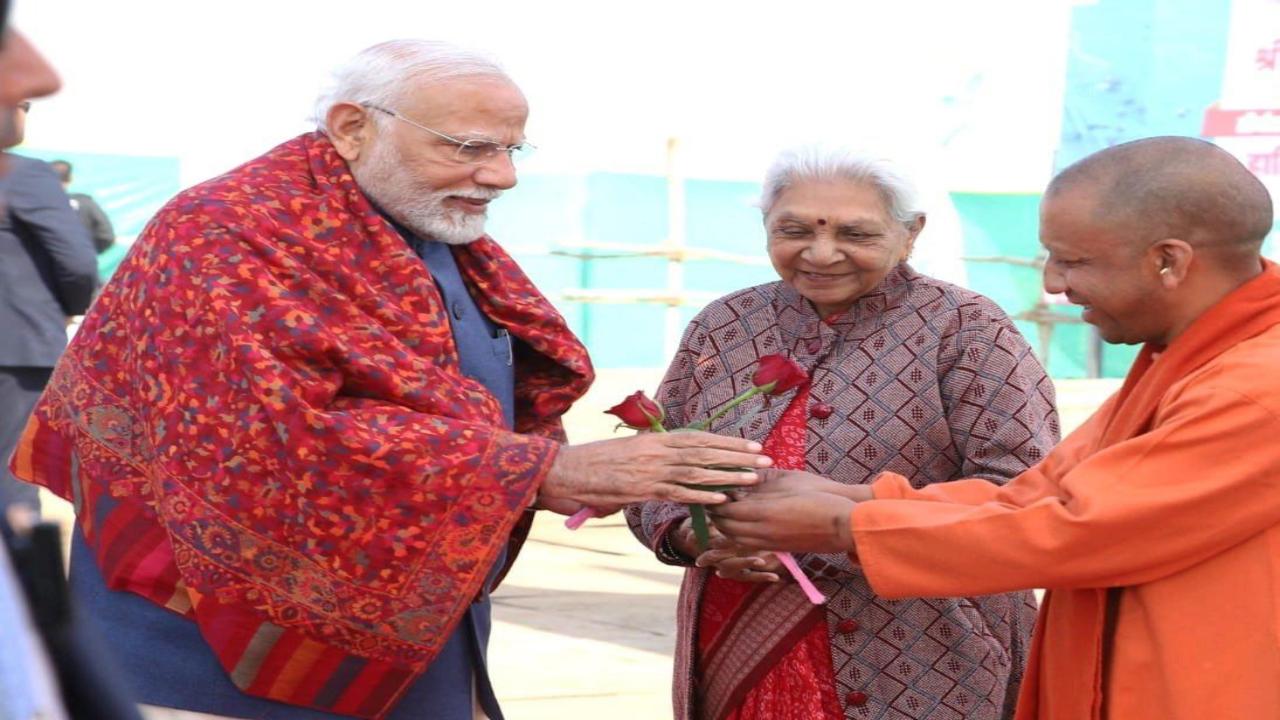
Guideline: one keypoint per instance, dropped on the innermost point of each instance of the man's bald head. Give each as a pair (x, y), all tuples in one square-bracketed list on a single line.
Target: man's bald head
[(1175, 187), (1147, 236)]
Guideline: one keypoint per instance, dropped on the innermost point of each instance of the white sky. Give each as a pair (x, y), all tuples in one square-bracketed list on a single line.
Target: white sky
[(972, 90)]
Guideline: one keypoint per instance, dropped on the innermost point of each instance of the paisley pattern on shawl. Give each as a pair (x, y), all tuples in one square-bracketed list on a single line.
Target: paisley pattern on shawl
[(263, 425)]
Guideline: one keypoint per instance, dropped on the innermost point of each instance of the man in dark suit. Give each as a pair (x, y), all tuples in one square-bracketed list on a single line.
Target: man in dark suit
[(92, 216), (48, 271), (32, 585)]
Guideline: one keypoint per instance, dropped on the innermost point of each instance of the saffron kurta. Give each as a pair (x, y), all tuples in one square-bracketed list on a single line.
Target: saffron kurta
[(924, 378), (1155, 526)]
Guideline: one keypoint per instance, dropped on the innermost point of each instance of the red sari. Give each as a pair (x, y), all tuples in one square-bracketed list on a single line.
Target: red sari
[(801, 684)]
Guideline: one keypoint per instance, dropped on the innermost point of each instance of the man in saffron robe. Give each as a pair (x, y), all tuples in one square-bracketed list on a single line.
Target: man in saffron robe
[(1156, 525), (304, 424)]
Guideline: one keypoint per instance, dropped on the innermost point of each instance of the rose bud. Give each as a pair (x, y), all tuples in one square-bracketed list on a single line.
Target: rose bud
[(777, 374), (637, 411)]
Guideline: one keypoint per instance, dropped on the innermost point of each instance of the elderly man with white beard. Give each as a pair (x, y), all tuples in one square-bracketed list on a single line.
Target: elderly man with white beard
[(307, 422)]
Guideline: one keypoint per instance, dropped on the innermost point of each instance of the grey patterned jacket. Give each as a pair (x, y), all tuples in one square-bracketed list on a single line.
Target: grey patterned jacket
[(928, 380)]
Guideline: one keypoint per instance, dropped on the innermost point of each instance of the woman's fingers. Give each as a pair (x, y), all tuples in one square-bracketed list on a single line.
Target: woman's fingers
[(750, 567)]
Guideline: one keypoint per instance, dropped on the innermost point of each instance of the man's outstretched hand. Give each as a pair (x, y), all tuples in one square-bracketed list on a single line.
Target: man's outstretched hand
[(652, 466), (791, 511)]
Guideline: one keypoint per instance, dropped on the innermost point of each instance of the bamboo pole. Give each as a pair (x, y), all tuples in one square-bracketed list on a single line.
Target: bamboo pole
[(674, 244)]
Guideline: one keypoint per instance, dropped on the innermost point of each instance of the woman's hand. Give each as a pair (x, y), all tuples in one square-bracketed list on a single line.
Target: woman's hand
[(727, 559), (733, 562), (787, 521), (683, 539)]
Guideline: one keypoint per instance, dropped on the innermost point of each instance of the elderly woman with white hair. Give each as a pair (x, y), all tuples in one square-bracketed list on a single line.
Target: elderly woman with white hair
[(907, 373)]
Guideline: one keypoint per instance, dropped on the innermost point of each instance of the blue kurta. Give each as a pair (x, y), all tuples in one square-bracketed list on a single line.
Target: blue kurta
[(169, 664)]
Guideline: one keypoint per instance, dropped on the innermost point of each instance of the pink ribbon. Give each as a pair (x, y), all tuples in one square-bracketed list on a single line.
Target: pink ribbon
[(575, 521), (810, 591)]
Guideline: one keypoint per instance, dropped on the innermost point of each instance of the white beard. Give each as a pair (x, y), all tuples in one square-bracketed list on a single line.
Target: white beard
[(419, 209)]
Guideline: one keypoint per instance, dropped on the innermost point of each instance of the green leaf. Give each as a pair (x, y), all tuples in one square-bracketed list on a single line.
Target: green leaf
[(698, 519)]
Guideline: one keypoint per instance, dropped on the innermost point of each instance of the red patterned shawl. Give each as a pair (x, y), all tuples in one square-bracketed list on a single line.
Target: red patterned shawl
[(263, 425)]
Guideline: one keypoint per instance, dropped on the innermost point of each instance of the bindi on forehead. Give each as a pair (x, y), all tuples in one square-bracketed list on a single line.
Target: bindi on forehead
[(822, 221)]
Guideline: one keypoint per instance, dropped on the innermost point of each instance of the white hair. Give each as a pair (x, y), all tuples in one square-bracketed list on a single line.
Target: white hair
[(380, 75), (818, 162)]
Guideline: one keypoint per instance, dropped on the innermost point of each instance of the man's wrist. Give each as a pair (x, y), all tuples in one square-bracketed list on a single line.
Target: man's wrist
[(844, 526), (852, 548), (553, 482), (857, 493)]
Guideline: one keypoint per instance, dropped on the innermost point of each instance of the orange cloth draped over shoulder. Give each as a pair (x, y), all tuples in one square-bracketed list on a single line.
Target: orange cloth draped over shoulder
[(1155, 526)]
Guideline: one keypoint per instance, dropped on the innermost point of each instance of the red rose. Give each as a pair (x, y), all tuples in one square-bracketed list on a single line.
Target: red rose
[(637, 411), (777, 374)]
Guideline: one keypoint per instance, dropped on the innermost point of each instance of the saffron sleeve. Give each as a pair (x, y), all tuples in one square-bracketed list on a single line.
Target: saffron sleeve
[(1132, 513)]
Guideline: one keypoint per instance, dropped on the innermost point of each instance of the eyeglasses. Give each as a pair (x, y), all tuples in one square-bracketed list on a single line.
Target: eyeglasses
[(466, 152), (24, 106)]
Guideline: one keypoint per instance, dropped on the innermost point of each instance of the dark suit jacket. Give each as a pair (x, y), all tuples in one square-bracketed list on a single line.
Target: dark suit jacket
[(48, 267), (95, 220)]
